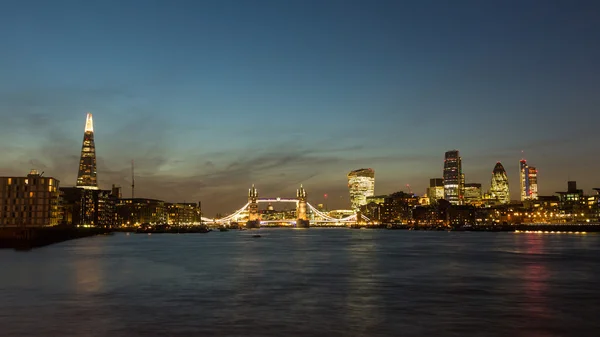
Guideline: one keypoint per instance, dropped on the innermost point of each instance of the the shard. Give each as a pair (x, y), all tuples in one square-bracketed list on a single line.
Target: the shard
[(499, 188), (86, 178)]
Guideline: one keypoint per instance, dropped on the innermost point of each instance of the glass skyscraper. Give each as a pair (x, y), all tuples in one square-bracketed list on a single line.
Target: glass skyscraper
[(361, 184), (528, 179), (499, 187), (86, 177), (453, 178)]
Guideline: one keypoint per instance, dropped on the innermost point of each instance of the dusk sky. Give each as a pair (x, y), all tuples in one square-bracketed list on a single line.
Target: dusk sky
[(209, 97)]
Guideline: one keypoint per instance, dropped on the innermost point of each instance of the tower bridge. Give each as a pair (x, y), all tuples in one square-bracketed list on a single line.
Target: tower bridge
[(305, 213)]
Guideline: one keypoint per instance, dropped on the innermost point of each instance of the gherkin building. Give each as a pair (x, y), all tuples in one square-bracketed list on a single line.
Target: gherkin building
[(499, 187)]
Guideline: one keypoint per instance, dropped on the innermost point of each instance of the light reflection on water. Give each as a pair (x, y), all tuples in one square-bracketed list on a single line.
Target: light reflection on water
[(316, 282)]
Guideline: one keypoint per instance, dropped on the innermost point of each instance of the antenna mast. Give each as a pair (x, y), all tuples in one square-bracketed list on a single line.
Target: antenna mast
[(132, 181)]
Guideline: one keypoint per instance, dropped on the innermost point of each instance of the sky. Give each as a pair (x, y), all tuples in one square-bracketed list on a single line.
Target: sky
[(210, 97)]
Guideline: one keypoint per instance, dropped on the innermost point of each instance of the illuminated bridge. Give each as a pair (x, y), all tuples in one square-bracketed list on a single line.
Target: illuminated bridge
[(305, 213)]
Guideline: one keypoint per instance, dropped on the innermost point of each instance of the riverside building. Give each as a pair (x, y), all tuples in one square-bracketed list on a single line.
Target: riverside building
[(31, 201)]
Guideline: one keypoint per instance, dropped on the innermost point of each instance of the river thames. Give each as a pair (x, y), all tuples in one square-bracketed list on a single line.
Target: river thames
[(315, 282)]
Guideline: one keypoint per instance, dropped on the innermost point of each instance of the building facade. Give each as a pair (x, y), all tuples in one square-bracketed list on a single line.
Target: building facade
[(398, 207), (473, 195), (528, 180), (533, 182), (182, 213), (138, 211), (31, 201), (435, 191), (499, 186), (86, 176), (83, 207), (361, 184), (453, 177)]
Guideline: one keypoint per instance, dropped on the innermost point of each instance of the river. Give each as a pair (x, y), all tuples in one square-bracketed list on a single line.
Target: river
[(315, 282)]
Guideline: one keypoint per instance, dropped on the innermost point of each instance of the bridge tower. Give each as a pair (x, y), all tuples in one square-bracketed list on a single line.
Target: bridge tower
[(301, 209), (253, 218)]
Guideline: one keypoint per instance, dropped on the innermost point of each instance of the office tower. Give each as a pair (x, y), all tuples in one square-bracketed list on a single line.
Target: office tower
[(473, 193), (499, 187), (361, 184), (524, 179), (31, 201), (86, 177), (453, 177), (435, 191), (533, 185), (528, 180)]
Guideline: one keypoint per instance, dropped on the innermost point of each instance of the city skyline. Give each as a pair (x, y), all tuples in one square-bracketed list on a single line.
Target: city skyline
[(205, 113), (498, 187)]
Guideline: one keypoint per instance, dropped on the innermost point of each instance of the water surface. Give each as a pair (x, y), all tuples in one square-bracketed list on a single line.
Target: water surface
[(315, 282)]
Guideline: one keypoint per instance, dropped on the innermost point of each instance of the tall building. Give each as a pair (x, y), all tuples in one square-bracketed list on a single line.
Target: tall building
[(528, 180), (533, 185), (435, 191), (86, 177), (361, 184), (523, 179), (31, 201), (453, 178), (499, 187)]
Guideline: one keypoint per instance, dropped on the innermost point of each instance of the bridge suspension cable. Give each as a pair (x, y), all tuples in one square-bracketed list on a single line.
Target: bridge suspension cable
[(324, 216), (330, 218), (229, 217)]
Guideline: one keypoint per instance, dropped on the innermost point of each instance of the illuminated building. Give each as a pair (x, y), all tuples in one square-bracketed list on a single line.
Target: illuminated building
[(462, 187), (86, 177), (398, 206), (528, 180), (453, 177), (31, 201), (435, 191), (182, 213), (533, 185), (83, 207), (377, 199), (597, 206), (523, 179), (472, 193), (361, 184), (137, 211), (499, 187)]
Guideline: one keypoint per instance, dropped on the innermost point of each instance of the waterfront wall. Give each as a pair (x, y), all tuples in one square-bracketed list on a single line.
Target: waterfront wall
[(28, 238)]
